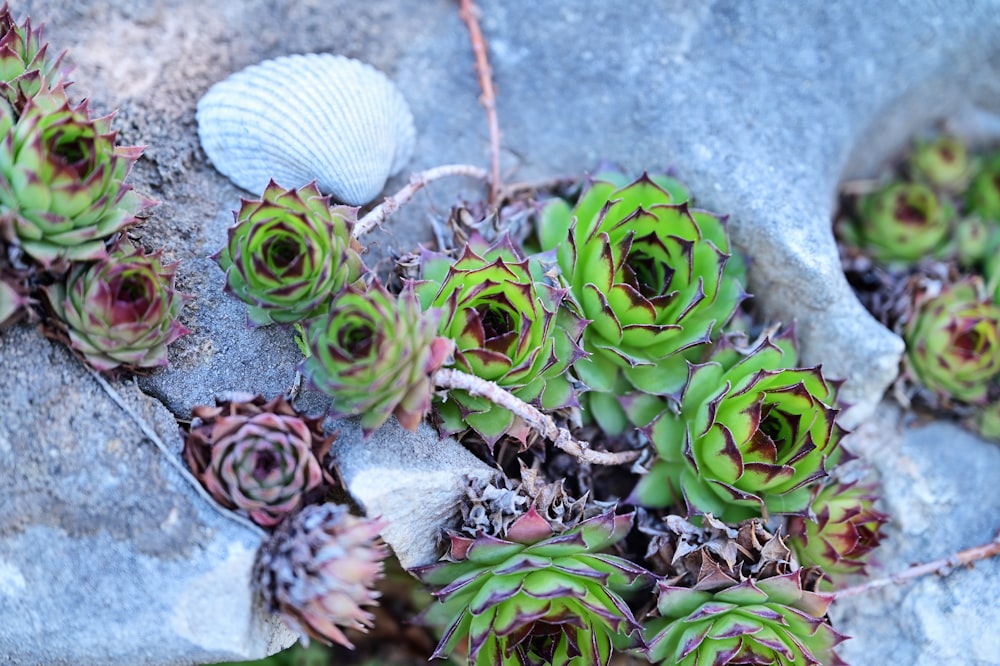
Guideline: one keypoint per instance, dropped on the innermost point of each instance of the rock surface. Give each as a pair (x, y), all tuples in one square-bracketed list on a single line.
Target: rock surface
[(760, 107)]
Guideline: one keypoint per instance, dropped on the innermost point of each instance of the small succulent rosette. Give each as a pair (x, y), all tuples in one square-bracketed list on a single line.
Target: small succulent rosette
[(121, 310), (734, 596), (289, 253), (655, 277), (62, 180), (510, 324), (943, 162), (845, 529), (374, 353), (318, 571), (900, 223), (953, 341), (751, 434), (535, 596), (24, 63), (259, 457), (983, 196)]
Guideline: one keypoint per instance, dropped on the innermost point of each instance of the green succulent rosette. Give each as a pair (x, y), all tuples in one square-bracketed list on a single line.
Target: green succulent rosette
[(749, 436), (654, 276), (121, 310), (953, 341), (289, 253), (374, 353), (536, 597), (62, 180), (511, 324), (846, 528), (942, 162), (770, 621), (24, 65), (256, 456), (900, 223), (983, 196)]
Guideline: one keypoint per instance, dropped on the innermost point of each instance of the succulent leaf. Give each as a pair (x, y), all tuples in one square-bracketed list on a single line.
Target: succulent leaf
[(953, 341), (260, 457), (317, 571), (983, 195), (374, 353), (121, 310), (62, 191), (289, 253)]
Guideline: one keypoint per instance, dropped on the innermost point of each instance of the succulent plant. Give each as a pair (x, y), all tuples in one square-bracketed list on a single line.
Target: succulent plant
[(289, 253), (847, 527), (987, 421), (62, 191), (374, 353), (318, 569), (983, 196), (900, 223), (942, 162), (24, 64), (654, 276), (260, 457), (533, 596), (121, 310), (769, 621), (510, 325), (976, 241), (953, 341), (750, 435)]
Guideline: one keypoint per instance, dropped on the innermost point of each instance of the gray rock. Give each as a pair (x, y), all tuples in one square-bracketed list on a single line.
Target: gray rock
[(107, 555), (760, 107), (939, 486)]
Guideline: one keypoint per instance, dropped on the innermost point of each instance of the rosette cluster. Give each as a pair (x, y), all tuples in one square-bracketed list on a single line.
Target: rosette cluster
[(121, 310), (534, 596), (25, 66), (511, 324), (654, 276), (373, 354), (751, 433), (289, 253), (259, 457)]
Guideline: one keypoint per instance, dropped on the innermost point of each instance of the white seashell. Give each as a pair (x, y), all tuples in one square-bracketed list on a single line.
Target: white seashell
[(303, 117)]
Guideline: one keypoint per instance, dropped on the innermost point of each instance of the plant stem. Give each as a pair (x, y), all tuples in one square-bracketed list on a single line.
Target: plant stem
[(450, 378), (941, 567), (469, 13), (381, 212)]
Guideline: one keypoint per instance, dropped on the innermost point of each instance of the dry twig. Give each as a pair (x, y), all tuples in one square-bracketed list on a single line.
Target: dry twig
[(941, 567), (469, 13), (450, 378)]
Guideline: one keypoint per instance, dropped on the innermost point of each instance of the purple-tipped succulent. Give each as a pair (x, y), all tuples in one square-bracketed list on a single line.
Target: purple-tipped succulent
[(262, 458), (751, 434), (289, 254), (373, 353), (847, 527), (121, 310), (24, 64), (654, 276), (62, 180), (953, 341), (510, 324), (771, 621), (318, 571), (534, 596)]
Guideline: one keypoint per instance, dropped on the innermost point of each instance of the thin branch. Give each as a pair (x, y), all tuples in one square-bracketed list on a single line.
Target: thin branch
[(151, 435), (418, 181), (942, 567), (450, 378), (469, 13)]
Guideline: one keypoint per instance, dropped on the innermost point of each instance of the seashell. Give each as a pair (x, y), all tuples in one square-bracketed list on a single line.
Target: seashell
[(303, 117)]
